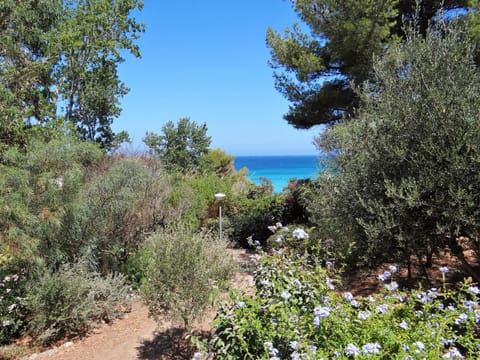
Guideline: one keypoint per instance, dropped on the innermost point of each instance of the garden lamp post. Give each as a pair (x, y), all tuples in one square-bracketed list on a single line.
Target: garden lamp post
[(219, 197)]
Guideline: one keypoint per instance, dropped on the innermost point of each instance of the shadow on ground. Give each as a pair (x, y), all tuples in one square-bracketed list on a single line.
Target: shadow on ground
[(168, 344)]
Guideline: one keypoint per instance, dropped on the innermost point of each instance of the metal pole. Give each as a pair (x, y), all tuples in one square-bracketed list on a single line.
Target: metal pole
[(220, 217)]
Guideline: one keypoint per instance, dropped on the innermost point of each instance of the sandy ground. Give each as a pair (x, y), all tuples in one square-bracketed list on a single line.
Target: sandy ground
[(138, 337)]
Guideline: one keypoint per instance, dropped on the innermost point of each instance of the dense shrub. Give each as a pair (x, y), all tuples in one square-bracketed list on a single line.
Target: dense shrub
[(253, 216), (407, 165), (184, 272), (72, 299)]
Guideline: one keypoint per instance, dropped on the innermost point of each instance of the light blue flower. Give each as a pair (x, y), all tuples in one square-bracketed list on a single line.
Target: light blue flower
[(393, 268), (239, 305), (286, 295), (392, 286), (330, 284), (364, 315), (371, 348), (273, 351), (461, 318), (348, 296), (197, 356), (294, 345), (385, 276), (453, 353), (352, 350), (403, 325), (322, 311), (298, 283), (299, 234), (474, 290), (382, 309), (420, 346), (355, 303), (312, 348), (470, 304), (444, 269)]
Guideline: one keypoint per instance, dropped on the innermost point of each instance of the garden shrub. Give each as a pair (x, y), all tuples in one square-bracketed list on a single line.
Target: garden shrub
[(297, 313), (184, 272), (71, 300), (13, 312), (253, 216)]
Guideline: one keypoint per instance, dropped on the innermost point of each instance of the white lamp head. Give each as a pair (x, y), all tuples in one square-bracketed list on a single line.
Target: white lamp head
[(220, 196)]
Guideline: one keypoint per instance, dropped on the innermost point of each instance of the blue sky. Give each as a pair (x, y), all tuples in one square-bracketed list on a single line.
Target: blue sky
[(208, 60)]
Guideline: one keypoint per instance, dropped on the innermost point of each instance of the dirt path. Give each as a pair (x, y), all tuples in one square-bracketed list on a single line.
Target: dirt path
[(137, 337)]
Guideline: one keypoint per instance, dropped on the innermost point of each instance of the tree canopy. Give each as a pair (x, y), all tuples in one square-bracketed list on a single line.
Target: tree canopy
[(181, 146), (59, 59), (315, 71)]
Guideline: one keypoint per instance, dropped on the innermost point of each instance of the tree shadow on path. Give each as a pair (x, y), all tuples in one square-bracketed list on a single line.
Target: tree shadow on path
[(168, 344)]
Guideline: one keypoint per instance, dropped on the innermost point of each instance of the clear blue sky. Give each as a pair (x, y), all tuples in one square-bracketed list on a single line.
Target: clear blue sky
[(208, 60)]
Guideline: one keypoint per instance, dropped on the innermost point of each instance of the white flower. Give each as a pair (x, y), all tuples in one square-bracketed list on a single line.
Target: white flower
[(12, 307), (299, 234)]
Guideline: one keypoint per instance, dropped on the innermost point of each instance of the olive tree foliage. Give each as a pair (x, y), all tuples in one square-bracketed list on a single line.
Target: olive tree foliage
[(316, 62), (406, 166), (186, 271), (181, 146)]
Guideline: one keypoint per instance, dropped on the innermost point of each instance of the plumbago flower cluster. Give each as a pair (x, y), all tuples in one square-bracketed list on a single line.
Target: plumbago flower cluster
[(298, 313)]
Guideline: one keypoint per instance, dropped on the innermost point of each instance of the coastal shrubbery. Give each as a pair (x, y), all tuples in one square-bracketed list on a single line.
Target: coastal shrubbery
[(298, 313)]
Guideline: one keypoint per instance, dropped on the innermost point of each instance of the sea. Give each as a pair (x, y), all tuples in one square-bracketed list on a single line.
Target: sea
[(279, 169)]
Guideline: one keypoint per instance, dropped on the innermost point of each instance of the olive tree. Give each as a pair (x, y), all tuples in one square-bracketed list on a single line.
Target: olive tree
[(407, 164)]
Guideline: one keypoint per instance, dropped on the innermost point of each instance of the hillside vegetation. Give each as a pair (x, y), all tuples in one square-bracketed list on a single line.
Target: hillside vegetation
[(85, 226)]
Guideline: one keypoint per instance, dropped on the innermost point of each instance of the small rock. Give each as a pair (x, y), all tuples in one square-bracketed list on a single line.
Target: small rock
[(43, 354)]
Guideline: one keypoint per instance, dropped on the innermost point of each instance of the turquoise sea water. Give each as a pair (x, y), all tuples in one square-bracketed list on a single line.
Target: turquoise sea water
[(279, 169)]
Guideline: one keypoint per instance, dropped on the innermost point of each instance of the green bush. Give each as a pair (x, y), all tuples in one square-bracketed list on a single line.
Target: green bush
[(71, 300), (13, 313), (253, 216), (184, 272), (407, 165), (297, 313)]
